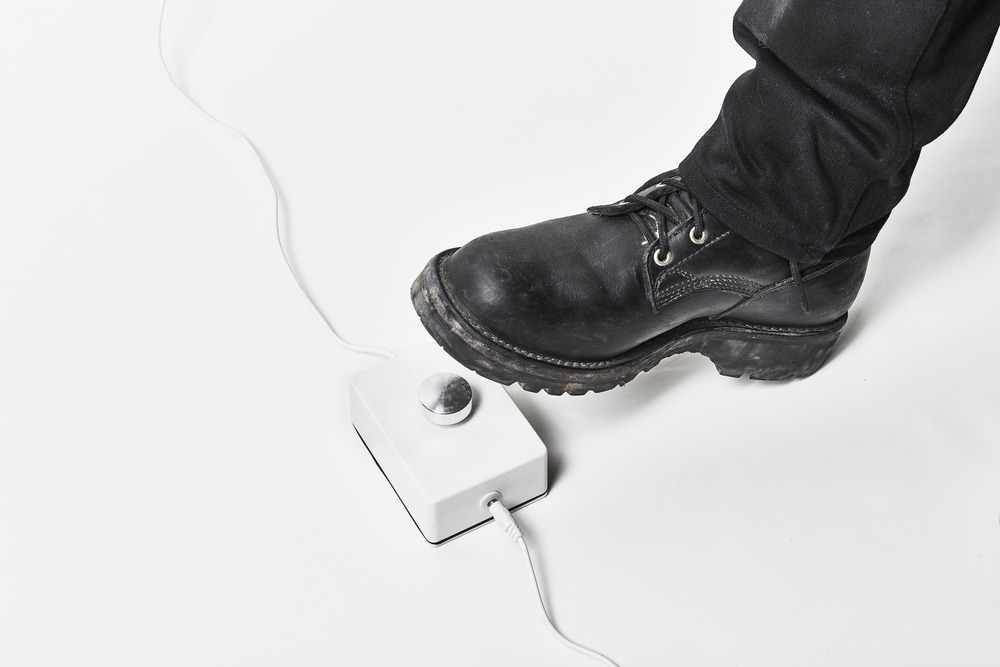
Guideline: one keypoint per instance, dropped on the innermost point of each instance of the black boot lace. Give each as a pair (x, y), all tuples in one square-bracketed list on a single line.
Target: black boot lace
[(656, 195)]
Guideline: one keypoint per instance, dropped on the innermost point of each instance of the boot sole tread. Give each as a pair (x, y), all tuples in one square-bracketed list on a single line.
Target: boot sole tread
[(762, 352)]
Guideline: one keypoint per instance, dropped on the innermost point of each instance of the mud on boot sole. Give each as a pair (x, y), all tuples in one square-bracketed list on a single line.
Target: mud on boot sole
[(736, 348)]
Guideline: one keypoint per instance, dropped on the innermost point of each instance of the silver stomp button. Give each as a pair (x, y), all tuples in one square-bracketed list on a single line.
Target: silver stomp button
[(446, 397)]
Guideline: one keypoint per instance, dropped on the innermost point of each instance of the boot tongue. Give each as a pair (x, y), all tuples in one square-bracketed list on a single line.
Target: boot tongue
[(680, 201)]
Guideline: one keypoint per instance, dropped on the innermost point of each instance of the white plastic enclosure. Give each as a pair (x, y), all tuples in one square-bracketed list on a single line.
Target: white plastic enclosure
[(440, 473)]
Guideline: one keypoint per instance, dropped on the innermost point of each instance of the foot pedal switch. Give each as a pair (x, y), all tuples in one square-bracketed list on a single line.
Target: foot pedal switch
[(440, 452)]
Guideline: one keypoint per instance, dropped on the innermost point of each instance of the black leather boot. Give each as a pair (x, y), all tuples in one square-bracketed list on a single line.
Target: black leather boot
[(585, 303)]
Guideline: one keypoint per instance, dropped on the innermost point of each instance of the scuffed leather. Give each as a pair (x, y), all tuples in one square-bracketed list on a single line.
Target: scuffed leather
[(586, 288), (830, 290)]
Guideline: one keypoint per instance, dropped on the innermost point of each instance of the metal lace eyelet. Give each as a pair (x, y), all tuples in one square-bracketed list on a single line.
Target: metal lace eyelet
[(664, 261), (698, 240)]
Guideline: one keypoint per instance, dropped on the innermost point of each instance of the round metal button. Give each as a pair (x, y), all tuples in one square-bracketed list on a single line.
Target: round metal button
[(446, 397)]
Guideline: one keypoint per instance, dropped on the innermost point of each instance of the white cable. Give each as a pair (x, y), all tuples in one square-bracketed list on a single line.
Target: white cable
[(274, 192), (513, 531)]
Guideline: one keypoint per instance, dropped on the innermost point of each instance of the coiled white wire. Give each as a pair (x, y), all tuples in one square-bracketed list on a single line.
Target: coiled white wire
[(367, 349), (569, 643), (515, 534), (507, 523)]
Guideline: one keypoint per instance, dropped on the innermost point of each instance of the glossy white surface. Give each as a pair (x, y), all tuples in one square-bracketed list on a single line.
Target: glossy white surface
[(179, 479)]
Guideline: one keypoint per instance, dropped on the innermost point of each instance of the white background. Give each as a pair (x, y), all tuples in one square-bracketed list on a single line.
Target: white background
[(179, 480)]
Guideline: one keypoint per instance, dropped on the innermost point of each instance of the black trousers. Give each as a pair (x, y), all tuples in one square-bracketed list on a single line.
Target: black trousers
[(815, 145)]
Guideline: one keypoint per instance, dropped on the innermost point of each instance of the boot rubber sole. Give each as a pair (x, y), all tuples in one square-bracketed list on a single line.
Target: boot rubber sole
[(736, 348)]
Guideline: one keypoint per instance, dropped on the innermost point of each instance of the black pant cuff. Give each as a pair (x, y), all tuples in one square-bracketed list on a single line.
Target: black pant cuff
[(736, 219)]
